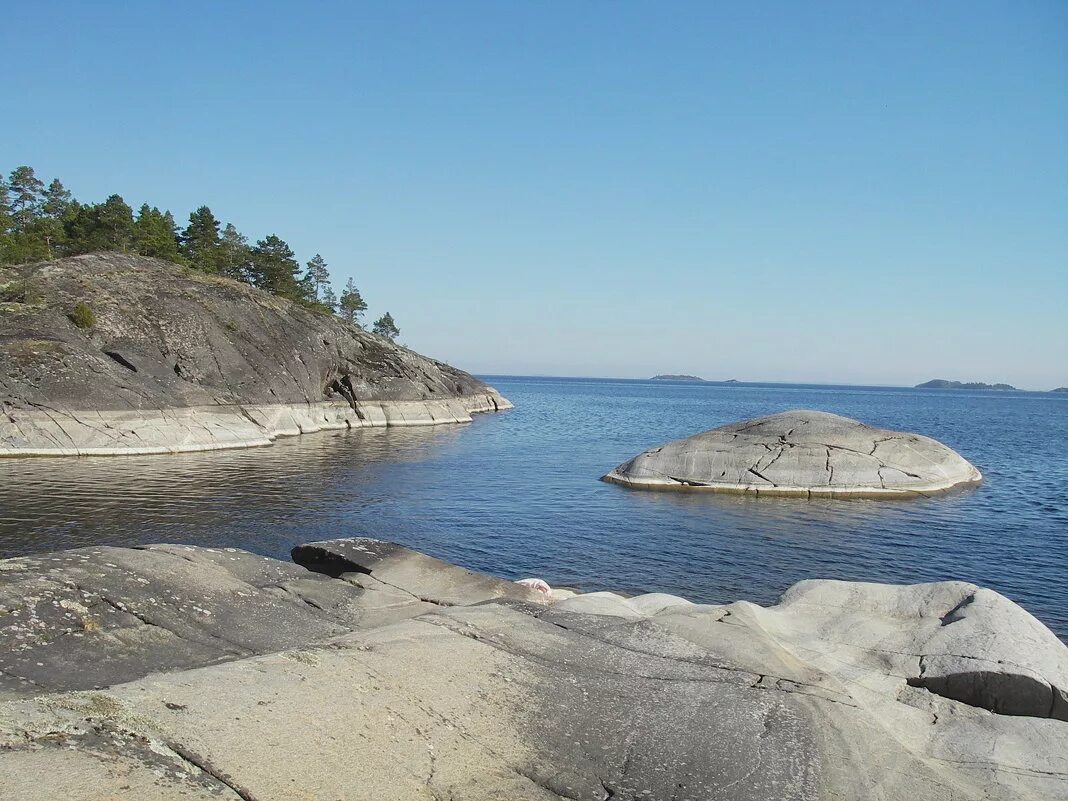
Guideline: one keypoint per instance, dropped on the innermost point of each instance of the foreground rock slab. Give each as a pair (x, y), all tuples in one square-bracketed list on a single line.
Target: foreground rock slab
[(178, 361), (801, 453), (394, 675)]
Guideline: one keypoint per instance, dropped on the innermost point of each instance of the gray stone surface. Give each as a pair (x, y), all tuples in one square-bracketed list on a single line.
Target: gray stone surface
[(475, 694), (180, 360), (360, 559), (92, 617), (800, 453), (965, 642)]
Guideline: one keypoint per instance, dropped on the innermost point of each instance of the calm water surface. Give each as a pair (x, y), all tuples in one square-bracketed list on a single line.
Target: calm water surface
[(517, 494)]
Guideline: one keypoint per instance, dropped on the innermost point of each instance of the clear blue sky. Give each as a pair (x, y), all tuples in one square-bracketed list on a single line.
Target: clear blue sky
[(842, 192)]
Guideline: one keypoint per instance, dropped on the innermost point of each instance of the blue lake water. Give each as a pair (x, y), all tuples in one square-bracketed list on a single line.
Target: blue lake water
[(516, 494)]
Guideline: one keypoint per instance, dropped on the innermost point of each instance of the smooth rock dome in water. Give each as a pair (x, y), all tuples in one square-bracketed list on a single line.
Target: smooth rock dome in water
[(801, 453)]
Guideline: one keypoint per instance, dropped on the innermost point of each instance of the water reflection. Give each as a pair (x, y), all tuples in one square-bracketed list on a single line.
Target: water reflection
[(196, 497)]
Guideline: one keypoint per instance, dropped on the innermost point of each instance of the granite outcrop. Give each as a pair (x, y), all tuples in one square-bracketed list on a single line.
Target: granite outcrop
[(163, 359), (369, 671)]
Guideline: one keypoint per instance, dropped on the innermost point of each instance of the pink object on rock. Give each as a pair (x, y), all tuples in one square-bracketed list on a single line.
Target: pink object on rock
[(537, 584)]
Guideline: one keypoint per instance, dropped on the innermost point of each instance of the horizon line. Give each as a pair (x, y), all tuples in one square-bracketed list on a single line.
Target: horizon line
[(759, 383)]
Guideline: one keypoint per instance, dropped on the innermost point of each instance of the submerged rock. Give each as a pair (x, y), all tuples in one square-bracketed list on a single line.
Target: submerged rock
[(178, 672), (801, 453), (176, 360)]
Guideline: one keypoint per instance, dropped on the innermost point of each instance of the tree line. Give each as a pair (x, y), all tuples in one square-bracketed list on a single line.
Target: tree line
[(39, 222)]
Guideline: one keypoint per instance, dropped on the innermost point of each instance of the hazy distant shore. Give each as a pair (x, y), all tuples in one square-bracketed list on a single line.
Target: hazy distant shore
[(669, 379)]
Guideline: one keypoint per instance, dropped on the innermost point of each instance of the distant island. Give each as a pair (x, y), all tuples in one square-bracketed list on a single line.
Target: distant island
[(690, 378), (1060, 389), (941, 383)]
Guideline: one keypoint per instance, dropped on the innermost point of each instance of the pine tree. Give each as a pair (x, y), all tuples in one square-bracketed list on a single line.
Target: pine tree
[(26, 196), (5, 224), (157, 235), (352, 304), (5, 208), (57, 199), (38, 222), (317, 276), (103, 226), (114, 225), (200, 241), (316, 284), (329, 299), (273, 268), (234, 254), (48, 232), (385, 327), (174, 250), (79, 225), (25, 240), (54, 207)]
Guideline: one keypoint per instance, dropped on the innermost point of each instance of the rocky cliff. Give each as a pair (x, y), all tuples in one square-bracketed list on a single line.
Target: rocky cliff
[(113, 353)]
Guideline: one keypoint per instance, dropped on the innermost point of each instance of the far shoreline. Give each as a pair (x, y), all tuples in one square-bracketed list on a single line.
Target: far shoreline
[(771, 384)]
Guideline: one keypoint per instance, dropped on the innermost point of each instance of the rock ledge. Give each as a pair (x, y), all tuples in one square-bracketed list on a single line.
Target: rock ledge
[(367, 671)]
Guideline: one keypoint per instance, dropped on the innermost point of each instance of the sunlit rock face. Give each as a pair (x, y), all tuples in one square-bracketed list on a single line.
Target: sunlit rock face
[(365, 670), (177, 360), (801, 453)]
